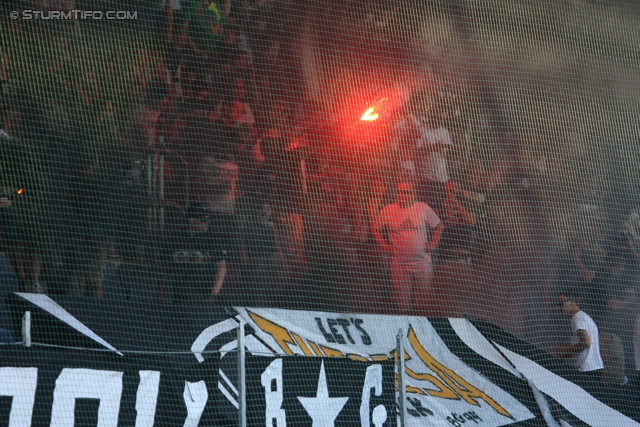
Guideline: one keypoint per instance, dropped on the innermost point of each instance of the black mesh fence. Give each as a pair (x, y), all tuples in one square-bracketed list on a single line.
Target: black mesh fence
[(161, 159)]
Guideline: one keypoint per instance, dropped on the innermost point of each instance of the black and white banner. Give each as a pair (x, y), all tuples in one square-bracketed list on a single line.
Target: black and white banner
[(46, 387), (53, 387), (303, 391), (441, 389), (177, 366), (456, 374), (573, 404)]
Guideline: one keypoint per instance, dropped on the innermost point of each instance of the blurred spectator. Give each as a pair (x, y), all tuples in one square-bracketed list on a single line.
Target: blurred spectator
[(631, 232), (625, 248), (172, 9), (218, 175), (433, 147), (349, 219), (228, 52), (125, 212), (636, 350), (267, 146), (607, 281), (405, 164), (5, 61), (206, 19), (481, 185), (9, 282), (374, 269), (245, 158), (20, 149), (292, 242), (262, 274), (10, 232), (329, 276), (589, 255), (406, 128), (10, 124), (559, 277), (631, 251), (277, 117), (83, 266), (612, 353), (484, 180), (153, 111), (208, 146), (459, 225), (238, 112), (376, 201), (84, 184), (200, 137), (30, 269), (328, 175), (622, 304), (111, 285), (253, 18), (410, 242), (194, 261), (20, 244), (184, 61), (270, 74), (8, 285), (291, 166), (23, 118)]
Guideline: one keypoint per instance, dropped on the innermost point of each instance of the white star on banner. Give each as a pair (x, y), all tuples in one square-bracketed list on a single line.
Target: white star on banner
[(323, 409)]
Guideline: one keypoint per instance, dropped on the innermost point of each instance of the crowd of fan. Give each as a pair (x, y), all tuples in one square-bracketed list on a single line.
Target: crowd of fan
[(602, 277), (264, 202), (262, 197)]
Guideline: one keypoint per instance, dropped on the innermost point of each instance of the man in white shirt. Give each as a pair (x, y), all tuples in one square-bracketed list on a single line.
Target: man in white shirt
[(413, 232), (585, 340), (433, 147)]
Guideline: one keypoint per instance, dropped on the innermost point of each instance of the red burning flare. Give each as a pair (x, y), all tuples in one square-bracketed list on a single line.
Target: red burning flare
[(369, 115)]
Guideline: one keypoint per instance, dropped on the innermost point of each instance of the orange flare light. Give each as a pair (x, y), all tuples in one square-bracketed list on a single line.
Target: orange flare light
[(20, 191), (369, 115)]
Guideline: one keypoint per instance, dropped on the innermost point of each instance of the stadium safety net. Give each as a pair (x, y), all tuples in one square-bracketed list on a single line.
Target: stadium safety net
[(319, 213)]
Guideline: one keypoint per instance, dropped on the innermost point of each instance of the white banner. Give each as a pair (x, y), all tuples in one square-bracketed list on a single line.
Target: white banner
[(441, 389)]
